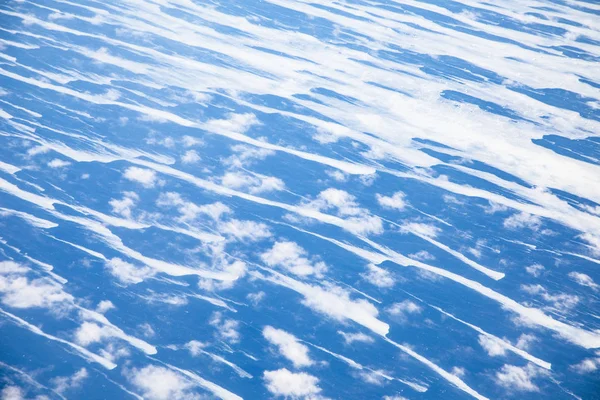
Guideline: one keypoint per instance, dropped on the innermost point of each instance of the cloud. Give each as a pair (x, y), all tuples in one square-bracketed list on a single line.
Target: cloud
[(284, 383), (253, 183), (127, 273), (12, 393), (19, 292), (562, 302), (159, 383), (422, 256), (492, 346), (519, 378), (378, 276), (535, 270), (256, 298), (190, 157), (288, 346), (419, 229), (244, 230), (58, 163), (146, 177), (124, 206), (195, 347), (104, 306), (523, 220), (403, 309), (190, 211), (359, 337), (396, 201), (246, 155), (525, 341), (227, 329), (65, 383), (293, 258), (357, 220), (583, 280), (587, 365), (236, 123)]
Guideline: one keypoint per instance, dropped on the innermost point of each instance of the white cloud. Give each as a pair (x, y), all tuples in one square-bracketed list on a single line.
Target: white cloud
[(19, 292), (378, 276), (244, 230), (190, 157), (146, 177), (337, 175), (159, 383), (104, 306), (492, 346), (236, 123), (64, 383), (583, 280), (293, 258), (256, 298), (357, 220), (195, 347), (189, 141), (146, 330), (525, 341), (288, 346), (523, 220), (359, 337), (90, 332), (246, 155), (519, 378), (419, 229), (561, 302), (253, 183), (12, 393), (190, 211), (535, 270), (127, 273), (124, 206), (227, 329), (422, 256), (403, 309), (394, 397), (58, 163), (285, 383), (587, 365), (396, 201), (458, 371)]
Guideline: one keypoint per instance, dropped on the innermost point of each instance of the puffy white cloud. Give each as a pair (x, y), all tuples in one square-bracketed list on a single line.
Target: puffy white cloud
[(288, 346), (396, 201), (561, 301), (523, 220), (402, 309), (419, 229), (236, 123), (378, 276), (253, 183), (143, 176), (337, 175), (293, 258), (583, 280), (360, 337), (90, 332), (587, 365), (64, 383), (256, 298), (146, 330), (58, 163), (104, 306), (285, 383), (458, 371), (160, 383), (12, 393), (127, 273), (492, 346), (125, 205), (245, 155), (525, 341), (356, 219), (422, 256), (227, 329), (535, 270), (244, 230), (519, 378), (19, 292), (394, 397), (190, 211), (190, 157), (195, 347), (189, 141)]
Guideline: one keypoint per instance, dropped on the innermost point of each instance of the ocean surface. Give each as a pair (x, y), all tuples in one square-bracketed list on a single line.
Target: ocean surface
[(299, 199)]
